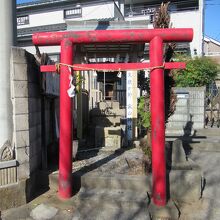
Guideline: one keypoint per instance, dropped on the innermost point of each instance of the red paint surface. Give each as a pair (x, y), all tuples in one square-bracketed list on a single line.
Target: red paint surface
[(65, 153), (114, 36), (157, 123), (115, 66)]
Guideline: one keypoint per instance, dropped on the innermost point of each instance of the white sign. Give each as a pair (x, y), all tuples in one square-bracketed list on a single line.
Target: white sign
[(129, 105)]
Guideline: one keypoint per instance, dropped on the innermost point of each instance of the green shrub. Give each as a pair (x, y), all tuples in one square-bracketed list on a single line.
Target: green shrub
[(200, 71), (144, 119)]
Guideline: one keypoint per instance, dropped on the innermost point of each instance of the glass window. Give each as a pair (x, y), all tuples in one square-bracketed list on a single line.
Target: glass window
[(73, 12)]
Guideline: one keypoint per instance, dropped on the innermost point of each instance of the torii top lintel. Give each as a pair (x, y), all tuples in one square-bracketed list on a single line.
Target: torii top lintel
[(114, 36)]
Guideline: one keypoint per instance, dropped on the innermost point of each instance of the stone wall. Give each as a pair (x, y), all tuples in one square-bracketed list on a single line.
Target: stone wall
[(25, 87), (190, 111), (17, 176)]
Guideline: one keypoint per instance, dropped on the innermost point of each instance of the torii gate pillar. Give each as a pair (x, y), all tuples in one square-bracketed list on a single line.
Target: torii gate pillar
[(157, 122)]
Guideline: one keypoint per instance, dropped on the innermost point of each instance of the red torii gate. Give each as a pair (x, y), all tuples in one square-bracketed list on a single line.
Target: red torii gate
[(156, 37)]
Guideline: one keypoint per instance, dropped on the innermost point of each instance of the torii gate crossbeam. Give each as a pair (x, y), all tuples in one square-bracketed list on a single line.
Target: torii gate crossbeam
[(156, 37)]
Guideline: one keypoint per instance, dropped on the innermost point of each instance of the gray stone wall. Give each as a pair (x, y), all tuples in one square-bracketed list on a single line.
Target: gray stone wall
[(25, 87), (190, 111)]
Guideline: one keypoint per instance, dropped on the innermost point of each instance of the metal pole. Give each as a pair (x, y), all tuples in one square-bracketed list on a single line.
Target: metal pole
[(157, 122), (7, 11), (65, 153)]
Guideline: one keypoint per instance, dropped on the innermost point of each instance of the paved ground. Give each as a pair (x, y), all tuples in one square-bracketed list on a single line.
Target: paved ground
[(124, 204), (208, 208), (207, 155)]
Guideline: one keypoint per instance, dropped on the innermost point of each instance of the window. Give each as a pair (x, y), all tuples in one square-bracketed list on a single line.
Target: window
[(73, 12), (22, 20)]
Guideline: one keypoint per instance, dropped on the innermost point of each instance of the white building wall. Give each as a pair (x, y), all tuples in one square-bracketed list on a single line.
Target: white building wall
[(185, 19), (190, 19), (98, 11), (57, 17), (47, 18), (138, 18)]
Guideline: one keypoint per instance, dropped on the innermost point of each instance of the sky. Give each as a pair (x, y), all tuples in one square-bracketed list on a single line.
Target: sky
[(212, 17)]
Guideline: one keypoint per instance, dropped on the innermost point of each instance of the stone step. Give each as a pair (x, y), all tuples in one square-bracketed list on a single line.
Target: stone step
[(121, 196), (112, 204), (117, 181), (184, 185)]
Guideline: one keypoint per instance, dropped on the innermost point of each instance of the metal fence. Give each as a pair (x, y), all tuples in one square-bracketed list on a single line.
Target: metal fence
[(212, 118)]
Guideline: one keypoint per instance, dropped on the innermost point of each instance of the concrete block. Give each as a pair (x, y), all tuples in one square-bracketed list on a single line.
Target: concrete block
[(108, 137), (198, 125), (115, 105), (181, 110), (185, 185), (23, 171), (22, 139), (18, 55), (197, 94), (23, 155), (43, 211), (169, 211), (110, 131), (121, 112), (175, 124), (22, 122), (137, 183), (20, 71), (179, 117), (178, 153), (14, 195), (113, 142), (181, 102), (21, 105), (197, 110), (20, 89), (198, 117), (197, 102)]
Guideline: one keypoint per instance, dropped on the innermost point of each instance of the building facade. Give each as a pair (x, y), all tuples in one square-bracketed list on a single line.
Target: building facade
[(212, 50), (53, 15)]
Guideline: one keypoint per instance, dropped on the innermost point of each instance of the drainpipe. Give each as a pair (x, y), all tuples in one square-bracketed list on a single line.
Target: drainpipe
[(7, 39)]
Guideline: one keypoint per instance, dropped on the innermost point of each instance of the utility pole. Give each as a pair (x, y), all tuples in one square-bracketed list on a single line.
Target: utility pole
[(7, 39)]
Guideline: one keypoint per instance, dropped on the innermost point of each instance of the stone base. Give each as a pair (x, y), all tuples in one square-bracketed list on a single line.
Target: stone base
[(23, 191), (13, 195), (168, 212), (108, 137)]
